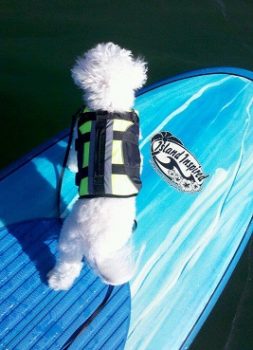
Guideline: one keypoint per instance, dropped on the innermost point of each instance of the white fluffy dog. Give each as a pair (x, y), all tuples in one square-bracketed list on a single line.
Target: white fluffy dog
[(100, 228)]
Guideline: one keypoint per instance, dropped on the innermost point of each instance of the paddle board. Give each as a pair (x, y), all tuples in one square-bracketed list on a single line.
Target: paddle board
[(194, 221)]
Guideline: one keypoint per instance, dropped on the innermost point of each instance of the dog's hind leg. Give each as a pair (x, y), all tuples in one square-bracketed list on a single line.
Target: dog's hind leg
[(69, 262), (118, 268)]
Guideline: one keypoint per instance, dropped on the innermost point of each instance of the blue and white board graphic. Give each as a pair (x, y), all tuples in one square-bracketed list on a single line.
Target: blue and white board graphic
[(193, 241), (190, 241)]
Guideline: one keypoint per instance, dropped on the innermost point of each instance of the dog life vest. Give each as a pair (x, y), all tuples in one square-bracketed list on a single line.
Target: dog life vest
[(108, 154)]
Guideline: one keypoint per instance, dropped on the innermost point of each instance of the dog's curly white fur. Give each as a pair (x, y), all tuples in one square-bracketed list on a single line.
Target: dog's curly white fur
[(100, 229)]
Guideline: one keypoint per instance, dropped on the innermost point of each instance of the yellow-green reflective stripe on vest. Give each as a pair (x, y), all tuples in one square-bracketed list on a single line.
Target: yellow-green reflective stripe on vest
[(117, 154), (121, 184), (85, 128)]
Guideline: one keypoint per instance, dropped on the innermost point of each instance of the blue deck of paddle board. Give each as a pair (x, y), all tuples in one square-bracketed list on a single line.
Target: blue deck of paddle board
[(190, 243), (34, 317)]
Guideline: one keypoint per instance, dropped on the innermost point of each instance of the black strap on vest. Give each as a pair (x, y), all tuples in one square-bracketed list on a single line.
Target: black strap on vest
[(80, 175), (122, 136), (101, 122), (130, 116), (82, 139)]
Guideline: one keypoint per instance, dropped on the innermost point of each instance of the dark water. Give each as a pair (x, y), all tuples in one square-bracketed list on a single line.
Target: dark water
[(39, 42)]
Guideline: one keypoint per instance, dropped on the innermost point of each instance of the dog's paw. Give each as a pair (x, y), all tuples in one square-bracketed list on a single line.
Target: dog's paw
[(72, 167), (58, 281), (63, 279)]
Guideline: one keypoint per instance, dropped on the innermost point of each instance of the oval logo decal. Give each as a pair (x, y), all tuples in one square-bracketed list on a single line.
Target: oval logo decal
[(175, 163)]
